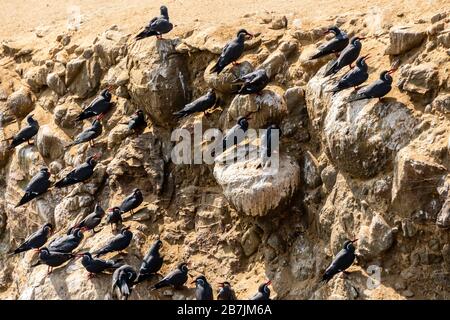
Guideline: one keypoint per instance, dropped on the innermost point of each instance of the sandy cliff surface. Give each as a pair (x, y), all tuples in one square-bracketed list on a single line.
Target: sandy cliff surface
[(375, 170)]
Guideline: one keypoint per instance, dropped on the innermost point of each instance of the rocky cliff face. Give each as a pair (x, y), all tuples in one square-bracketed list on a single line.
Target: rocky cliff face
[(376, 170)]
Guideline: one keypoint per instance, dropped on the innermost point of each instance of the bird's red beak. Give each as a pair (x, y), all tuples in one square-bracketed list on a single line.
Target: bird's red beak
[(100, 116), (250, 36), (362, 38), (326, 32), (97, 156), (366, 57), (354, 240), (84, 229), (392, 71), (221, 284), (268, 283)]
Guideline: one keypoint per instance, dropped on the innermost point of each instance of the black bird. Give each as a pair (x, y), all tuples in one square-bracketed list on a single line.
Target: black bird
[(267, 148), (123, 281), (176, 278), (232, 51), (201, 104), (36, 239), (68, 242), (80, 173), (236, 134), (117, 243), (226, 292), (38, 185), (253, 82), (95, 265), (335, 45), (88, 135), (263, 292), (92, 220), (347, 56), (114, 216), (157, 26), (132, 201), (52, 259), (203, 290), (137, 122), (25, 134), (152, 262), (342, 261), (354, 77), (98, 106), (377, 89)]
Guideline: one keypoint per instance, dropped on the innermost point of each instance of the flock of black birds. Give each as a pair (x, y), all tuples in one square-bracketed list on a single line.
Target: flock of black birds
[(124, 278)]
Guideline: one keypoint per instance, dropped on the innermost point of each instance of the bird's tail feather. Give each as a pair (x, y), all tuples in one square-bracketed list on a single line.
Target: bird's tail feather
[(161, 284)]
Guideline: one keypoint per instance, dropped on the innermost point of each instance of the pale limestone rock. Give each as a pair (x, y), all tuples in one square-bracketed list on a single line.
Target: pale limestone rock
[(404, 38)]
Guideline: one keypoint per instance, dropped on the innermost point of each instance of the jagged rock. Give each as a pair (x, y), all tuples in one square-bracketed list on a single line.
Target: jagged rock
[(303, 259), (295, 99), (83, 77), (361, 136), (279, 23), (158, 80), (328, 176), (48, 143), (375, 238), (444, 38), (65, 114), (117, 135), (420, 82), (110, 47), (442, 103), (19, 103), (404, 38), (266, 108), (254, 192), (414, 172), (55, 83), (443, 219), (223, 82), (36, 77), (311, 170), (277, 61), (250, 241)]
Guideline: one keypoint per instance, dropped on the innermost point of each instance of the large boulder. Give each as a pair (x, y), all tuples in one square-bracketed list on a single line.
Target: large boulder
[(83, 77), (404, 38), (375, 238), (224, 81), (158, 79), (110, 47), (49, 142), (361, 136), (36, 77), (266, 108), (254, 191), (420, 82), (19, 103)]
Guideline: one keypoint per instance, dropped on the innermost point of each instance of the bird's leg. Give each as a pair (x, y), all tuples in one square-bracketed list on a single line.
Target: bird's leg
[(49, 270), (95, 231), (336, 54), (350, 66), (93, 142), (91, 275), (132, 211), (236, 63)]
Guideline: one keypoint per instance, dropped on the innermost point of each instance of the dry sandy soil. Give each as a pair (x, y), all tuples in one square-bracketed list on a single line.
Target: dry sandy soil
[(24, 19)]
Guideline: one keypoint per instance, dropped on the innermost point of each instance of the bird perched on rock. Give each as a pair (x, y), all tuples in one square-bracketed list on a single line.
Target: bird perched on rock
[(52, 259), (203, 290), (236, 134), (95, 265), (342, 261), (253, 82), (88, 135), (354, 77), (38, 185), (114, 216), (201, 104), (36, 239), (263, 292), (132, 201), (68, 242), (377, 89), (335, 45), (25, 134), (232, 51), (117, 243), (123, 281), (93, 219), (100, 105), (347, 56), (152, 262), (176, 278), (137, 122), (226, 292), (157, 26), (80, 173)]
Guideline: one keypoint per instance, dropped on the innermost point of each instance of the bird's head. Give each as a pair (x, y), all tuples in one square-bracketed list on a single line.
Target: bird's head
[(386, 75), (334, 30), (48, 228), (264, 287), (164, 11), (243, 122), (84, 255), (356, 41), (244, 34), (98, 209), (200, 280), (224, 284), (106, 93), (44, 251), (183, 267), (30, 119), (361, 62), (137, 192), (92, 160), (348, 245), (139, 113)]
